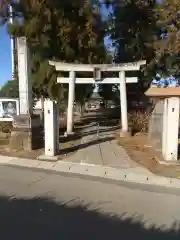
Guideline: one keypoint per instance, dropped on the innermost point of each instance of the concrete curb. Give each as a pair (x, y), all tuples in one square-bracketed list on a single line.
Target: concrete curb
[(130, 175)]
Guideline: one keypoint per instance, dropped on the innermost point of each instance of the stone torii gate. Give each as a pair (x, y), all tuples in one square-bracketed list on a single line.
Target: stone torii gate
[(96, 70), (27, 124)]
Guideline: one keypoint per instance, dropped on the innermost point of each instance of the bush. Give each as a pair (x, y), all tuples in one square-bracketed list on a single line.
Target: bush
[(139, 121), (6, 127)]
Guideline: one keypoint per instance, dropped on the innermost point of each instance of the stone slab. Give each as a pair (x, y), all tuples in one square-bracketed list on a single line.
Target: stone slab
[(48, 158)]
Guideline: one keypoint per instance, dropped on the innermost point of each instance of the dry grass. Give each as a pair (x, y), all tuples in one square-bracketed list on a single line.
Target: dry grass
[(141, 150), (139, 121)]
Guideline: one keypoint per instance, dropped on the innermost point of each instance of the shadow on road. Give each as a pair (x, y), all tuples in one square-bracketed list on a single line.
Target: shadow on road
[(91, 130), (103, 121), (105, 130), (88, 132), (85, 145), (45, 219)]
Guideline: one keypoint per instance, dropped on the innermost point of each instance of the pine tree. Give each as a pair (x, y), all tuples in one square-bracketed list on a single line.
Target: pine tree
[(68, 31), (168, 44), (132, 29), (132, 26), (143, 29)]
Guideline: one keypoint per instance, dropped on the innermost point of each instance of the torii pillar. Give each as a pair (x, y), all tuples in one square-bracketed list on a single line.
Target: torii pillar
[(71, 97)]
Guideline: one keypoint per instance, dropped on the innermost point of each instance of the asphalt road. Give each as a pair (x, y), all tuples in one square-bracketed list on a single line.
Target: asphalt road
[(42, 205)]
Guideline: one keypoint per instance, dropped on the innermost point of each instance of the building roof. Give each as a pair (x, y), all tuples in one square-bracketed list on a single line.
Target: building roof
[(163, 91)]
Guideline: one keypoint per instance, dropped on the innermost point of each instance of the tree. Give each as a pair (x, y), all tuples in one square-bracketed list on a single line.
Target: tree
[(143, 29), (132, 27), (10, 89), (69, 31), (168, 43), (132, 30)]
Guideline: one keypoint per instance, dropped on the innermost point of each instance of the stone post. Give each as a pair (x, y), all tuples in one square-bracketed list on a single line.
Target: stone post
[(71, 97), (164, 129), (123, 104), (26, 133), (51, 128), (171, 127), (24, 71)]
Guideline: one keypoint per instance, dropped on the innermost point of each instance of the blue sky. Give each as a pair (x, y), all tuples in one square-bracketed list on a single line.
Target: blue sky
[(5, 56)]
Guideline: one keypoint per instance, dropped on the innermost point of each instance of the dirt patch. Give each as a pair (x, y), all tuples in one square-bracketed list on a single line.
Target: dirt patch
[(141, 150), (67, 147)]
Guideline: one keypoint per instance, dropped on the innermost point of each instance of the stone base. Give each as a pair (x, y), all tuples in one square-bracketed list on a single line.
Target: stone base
[(125, 133), (68, 134), (27, 133), (48, 158), (20, 140)]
